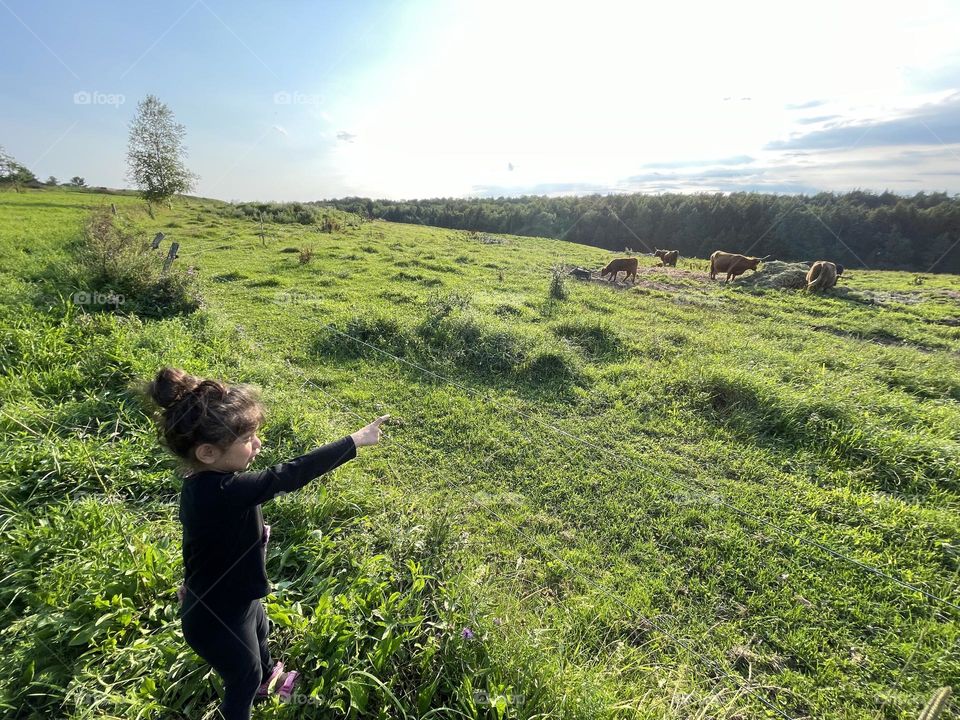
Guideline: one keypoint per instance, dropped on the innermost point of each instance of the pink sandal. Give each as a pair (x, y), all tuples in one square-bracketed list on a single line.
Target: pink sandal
[(285, 691), (264, 688)]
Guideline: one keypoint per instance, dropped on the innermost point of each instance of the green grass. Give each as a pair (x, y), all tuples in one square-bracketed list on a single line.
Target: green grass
[(591, 480)]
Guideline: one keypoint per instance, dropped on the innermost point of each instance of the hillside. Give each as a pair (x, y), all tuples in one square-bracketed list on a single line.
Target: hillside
[(672, 499), (883, 231)]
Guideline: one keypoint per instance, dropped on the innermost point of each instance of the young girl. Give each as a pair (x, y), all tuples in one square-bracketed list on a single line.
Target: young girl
[(213, 426)]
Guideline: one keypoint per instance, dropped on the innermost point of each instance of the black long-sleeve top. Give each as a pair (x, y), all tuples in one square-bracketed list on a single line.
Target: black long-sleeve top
[(224, 554)]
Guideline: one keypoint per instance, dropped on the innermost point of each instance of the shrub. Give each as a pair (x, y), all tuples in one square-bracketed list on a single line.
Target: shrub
[(306, 255), (113, 263), (558, 285)]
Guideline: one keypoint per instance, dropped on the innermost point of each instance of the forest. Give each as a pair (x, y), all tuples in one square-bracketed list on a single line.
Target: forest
[(858, 229)]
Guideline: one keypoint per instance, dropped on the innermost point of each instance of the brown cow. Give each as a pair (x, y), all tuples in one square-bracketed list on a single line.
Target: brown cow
[(823, 275), (667, 257), (613, 268), (732, 264)]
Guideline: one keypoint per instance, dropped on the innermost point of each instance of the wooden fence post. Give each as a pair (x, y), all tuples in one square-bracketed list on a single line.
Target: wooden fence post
[(171, 256)]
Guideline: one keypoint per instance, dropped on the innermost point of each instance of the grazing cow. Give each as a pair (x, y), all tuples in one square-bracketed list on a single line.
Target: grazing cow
[(613, 268), (667, 257), (732, 264), (823, 275)]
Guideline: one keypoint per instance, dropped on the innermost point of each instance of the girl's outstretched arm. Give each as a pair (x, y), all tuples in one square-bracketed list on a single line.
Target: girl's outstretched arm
[(247, 489)]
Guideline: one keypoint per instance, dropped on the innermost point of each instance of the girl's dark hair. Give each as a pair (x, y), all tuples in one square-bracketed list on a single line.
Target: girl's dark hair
[(196, 411)]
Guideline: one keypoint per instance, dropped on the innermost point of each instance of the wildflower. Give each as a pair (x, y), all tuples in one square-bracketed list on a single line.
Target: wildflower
[(467, 634)]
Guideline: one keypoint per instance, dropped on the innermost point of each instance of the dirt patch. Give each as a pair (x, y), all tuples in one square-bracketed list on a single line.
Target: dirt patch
[(654, 278), (881, 297)]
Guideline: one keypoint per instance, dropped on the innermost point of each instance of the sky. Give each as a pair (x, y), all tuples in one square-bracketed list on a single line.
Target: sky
[(294, 100)]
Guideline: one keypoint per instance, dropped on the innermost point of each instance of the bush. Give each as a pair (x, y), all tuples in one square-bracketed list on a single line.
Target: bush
[(118, 271), (295, 213)]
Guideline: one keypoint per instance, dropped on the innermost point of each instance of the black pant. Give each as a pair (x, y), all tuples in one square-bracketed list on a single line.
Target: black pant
[(232, 637)]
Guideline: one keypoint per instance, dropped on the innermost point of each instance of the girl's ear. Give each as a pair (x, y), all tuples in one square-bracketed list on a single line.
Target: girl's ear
[(207, 453)]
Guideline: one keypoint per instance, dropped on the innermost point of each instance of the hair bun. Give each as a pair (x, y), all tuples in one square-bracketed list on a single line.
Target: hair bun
[(171, 385)]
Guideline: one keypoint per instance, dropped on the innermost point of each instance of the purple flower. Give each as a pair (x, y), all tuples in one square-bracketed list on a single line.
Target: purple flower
[(467, 634)]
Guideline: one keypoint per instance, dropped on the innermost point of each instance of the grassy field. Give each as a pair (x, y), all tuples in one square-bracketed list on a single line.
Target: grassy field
[(673, 499)]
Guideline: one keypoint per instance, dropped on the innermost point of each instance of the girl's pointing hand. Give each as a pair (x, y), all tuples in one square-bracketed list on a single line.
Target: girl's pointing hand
[(370, 434)]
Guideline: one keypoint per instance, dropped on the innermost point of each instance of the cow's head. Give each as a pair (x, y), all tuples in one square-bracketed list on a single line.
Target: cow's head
[(839, 269)]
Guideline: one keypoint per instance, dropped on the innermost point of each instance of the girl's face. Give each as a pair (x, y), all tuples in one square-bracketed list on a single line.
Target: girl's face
[(243, 450), (238, 455)]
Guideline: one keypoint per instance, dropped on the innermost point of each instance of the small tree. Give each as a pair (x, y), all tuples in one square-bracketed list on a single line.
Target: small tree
[(12, 173), (78, 181), (52, 181), (155, 153)]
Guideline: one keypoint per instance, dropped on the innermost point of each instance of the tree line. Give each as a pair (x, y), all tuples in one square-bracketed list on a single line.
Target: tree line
[(856, 229)]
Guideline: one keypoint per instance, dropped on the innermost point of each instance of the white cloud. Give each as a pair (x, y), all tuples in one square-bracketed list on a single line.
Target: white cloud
[(591, 95)]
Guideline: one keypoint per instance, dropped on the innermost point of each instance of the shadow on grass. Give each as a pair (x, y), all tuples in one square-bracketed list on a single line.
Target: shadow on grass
[(757, 413)]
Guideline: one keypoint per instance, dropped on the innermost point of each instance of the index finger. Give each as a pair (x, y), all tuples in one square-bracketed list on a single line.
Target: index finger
[(380, 420)]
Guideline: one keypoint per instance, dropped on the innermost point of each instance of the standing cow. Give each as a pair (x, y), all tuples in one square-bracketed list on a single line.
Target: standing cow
[(667, 257), (613, 268), (823, 275), (732, 264)]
